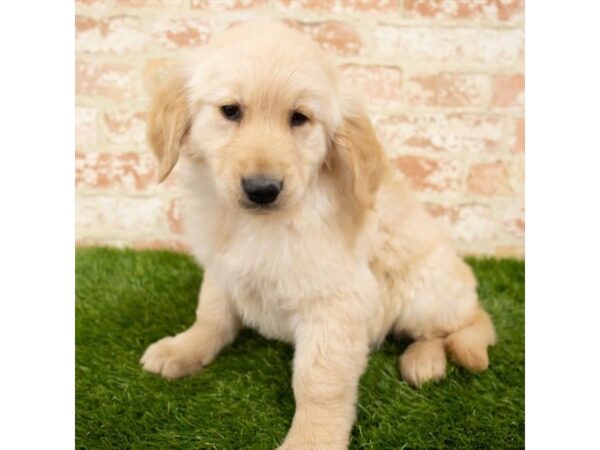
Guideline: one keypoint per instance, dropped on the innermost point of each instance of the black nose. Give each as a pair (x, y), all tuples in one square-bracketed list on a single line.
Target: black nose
[(261, 189)]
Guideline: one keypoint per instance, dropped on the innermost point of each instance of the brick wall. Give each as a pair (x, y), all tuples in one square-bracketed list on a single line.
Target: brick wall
[(444, 79)]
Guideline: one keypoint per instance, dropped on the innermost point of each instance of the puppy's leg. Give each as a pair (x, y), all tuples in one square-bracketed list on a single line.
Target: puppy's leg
[(422, 361), (187, 352), (444, 315), (425, 359), (468, 345), (328, 363)]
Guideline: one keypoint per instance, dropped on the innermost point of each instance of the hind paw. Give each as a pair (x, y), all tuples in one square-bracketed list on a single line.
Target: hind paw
[(464, 351)]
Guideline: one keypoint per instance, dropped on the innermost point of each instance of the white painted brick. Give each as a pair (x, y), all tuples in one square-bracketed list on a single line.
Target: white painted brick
[(86, 126), (113, 216), (116, 34), (476, 45), (444, 133)]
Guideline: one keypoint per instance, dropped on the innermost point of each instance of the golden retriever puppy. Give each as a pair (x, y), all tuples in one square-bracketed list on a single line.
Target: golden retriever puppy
[(305, 232)]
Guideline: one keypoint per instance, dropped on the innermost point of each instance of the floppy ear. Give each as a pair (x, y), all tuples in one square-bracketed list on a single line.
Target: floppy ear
[(168, 123), (358, 158)]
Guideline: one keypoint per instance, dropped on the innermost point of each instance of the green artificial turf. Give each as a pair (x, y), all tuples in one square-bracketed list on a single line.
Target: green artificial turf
[(127, 299)]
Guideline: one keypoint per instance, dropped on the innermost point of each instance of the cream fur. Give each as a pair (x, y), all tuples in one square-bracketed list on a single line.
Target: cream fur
[(346, 257)]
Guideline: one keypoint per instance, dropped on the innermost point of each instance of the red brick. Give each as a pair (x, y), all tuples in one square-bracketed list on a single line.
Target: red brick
[(374, 82), (84, 24), (129, 171), (518, 139), (338, 37), (447, 90), (509, 91), (116, 34), (512, 9), (489, 179), (307, 5), (369, 6), (225, 5), (430, 175), (502, 10), (174, 217), (124, 127), (436, 210), (452, 133), (181, 33), (114, 81)]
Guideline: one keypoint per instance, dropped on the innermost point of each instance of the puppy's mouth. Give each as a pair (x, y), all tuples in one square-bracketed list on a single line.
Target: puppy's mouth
[(256, 208)]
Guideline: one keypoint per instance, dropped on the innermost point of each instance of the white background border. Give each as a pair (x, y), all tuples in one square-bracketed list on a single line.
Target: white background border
[(563, 224), (37, 224)]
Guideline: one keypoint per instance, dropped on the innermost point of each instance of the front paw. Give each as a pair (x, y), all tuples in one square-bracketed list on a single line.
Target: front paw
[(311, 440), (172, 358), (304, 445)]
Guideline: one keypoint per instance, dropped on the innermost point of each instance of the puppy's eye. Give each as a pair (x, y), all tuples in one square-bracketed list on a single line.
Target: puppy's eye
[(231, 112), (298, 119)]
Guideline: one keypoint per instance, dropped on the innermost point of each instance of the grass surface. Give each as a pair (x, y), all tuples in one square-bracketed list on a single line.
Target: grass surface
[(127, 299)]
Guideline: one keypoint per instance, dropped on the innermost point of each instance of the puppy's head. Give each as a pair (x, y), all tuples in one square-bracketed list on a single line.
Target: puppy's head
[(262, 109)]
